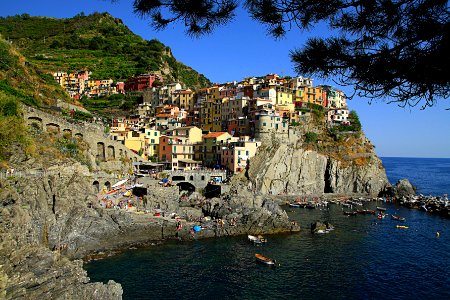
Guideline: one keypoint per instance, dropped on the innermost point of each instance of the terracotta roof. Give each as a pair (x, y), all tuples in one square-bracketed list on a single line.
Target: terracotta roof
[(163, 115), (213, 134)]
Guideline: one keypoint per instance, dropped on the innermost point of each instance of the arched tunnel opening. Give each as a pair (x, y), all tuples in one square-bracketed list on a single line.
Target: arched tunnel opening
[(186, 186), (178, 178)]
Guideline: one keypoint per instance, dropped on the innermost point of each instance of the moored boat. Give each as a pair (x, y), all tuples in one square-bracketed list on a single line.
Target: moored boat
[(402, 226), (381, 208), (381, 216), (398, 218), (262, 239), (265, 260), (256, 239), (350, 213)]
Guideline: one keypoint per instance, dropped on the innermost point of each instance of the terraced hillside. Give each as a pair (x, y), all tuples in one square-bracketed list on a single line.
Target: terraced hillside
[(98, 42)]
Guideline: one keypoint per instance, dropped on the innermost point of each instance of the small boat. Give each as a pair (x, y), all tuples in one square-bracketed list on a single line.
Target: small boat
[(381, 216), (366, 212), (265, 260), (398, 218), (402, 226), (262, 239), (294, 205), (257, 239), (350, 213), (381, 208)]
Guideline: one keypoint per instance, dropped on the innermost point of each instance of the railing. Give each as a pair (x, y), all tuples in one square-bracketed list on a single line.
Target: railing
[(43, 173)]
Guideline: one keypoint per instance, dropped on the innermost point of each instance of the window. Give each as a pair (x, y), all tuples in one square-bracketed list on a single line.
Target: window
[(246, 152), (203, 177), (152, 141), (264, 124), (155, 133), (239, 152), (164, 147)]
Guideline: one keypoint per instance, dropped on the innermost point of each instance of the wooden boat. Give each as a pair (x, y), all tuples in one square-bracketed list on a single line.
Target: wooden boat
[(402, 226), (265, 260), (381, 208), (398, 218)]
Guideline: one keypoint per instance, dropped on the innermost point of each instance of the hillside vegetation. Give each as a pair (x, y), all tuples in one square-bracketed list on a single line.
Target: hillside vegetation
[(22, 79), (98, 42)]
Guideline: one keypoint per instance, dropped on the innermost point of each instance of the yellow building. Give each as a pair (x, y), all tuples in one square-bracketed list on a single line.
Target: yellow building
[(283, 96), (212, 146), (151, 142), (213, 93), (135, 141), (184, 99), (211, 115)]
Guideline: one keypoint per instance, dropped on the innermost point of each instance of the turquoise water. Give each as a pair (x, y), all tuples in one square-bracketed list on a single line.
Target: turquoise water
[(364, 258)]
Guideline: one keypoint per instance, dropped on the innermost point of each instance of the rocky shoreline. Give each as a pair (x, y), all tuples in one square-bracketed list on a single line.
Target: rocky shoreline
[(51, 223)]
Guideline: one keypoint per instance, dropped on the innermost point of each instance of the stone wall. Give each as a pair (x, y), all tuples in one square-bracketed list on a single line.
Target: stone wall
[(102, 150), (198, 178)]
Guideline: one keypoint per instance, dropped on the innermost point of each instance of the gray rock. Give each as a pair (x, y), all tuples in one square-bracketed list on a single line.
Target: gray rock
[(403, 188)]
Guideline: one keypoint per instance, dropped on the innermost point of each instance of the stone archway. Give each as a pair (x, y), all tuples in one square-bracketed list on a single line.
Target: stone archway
[(108, 185), (96, 185), (120, 153), (52, 128), (67, 132), (79, 135), (111, 152), (101, 151), (186, 186), (35, 120)]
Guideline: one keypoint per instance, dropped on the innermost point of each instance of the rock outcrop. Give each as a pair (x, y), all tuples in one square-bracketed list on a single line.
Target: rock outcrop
[(34, 234), (287, 167), (48, 222), (403, 188)]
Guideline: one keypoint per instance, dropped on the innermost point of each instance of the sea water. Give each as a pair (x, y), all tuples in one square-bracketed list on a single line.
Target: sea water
[(363, 258)]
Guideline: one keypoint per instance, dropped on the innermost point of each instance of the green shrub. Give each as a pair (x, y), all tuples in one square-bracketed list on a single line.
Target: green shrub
[(310, 137), (12, 125)]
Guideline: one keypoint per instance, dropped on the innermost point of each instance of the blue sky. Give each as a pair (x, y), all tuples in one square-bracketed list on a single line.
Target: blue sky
[(243, 49)]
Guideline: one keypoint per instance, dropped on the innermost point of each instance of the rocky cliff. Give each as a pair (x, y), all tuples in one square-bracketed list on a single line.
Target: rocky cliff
[(293, 166), (38, 224), (49, 221)]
